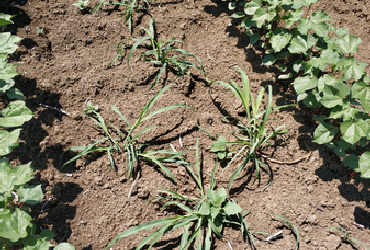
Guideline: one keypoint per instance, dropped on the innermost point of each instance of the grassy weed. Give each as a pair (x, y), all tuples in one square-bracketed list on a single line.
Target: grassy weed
[(212, 211), (126, 141), (346, 237), (158, 54), (252, 136)]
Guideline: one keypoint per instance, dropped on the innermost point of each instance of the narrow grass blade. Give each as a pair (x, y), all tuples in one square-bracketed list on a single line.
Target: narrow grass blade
[(180, 205), (212, 183), (158, 111), (268, 111), (207, 240), (268, 172), (238, 170), (295, 229), (185, 237), (197, 167), (206, 131), (134, 138), (120, 115), (175, 195), (191, 239), (164, 169), (111, 160), (363, 244), (135, 229), (257, 105), (134, 46), (158, 76)]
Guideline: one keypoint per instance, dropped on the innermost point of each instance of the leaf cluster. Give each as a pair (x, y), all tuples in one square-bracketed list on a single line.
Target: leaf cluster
[(158, 54), (16, 228), (126, 141), (327, 77)]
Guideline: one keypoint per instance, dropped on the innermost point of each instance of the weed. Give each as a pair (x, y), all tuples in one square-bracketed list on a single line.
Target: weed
[(213, 211), (158, 54), (126, 141), (39, 31), (255, 130), (291, 226), (346, 237), (81, 4)]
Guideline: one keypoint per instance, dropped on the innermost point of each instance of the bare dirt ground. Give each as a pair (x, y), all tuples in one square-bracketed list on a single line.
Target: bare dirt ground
[(88, 202)]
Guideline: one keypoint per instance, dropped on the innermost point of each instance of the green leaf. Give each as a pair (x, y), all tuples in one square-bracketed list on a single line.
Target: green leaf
[(293, 17), (280, 39), (301, 43), (348, 43), (15, 114), (301, 84), (204, 209), (353, 130), (15, 93), (346, 111), (365, 165), (7, 70), (261, 15), (361, 91), (13, 177), (8, 141), (64, 246), (5, 19), (251, 7), (8, 43), (238, 15), (232, 208), (352, 162), (297, 4), (268, 60), (30, 194), (215, 211), (316, 22), (6, 84), (324, 133), (13, 226), (330, 98), (351, 68)]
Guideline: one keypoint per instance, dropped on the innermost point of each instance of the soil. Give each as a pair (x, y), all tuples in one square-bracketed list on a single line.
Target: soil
[(67, 65)]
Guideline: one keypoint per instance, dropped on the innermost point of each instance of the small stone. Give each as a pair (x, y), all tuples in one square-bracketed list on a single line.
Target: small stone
[(99, 181), (106, 186), (76, 115), (144, 193)]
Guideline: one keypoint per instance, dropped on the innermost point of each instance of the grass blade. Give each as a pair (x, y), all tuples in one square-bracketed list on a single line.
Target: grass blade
[(134, 46), (142, 132), (159, 75), (238, 170), (295, 229), (158, 111), (120, 115)]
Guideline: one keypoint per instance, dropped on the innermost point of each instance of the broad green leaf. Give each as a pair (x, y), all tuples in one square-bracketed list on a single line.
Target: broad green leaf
[(361, 91), (324, 133), (13, 177), (330, 56), (352, 162), (268, 60), (6, 84), (351, 68), (30, 194), (353, 130), (15, 93), (301, 84), (327, 79), (221, 194), (298, 65), (262, 14), (14, 225), (346, 111), (365, 165), (204, 208), (248, 23), (342, 147), (348, 43), (8, 141), (301, 43), (280, 39), (215, 211), (237, 15), (64, 246), (251, 7), (5, 19), (293, 17), (232, 208), (15, 114), (8, 43), (297, 4), (7, 71), (330, 98)]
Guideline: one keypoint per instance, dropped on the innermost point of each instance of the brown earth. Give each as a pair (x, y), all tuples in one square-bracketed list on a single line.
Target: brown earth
[(89, 206)]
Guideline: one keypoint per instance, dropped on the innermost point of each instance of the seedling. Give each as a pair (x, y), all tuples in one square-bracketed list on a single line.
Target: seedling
[(127, 141), (255, 129), (81, 4), (130, 6), (212, 211), (158, 54), (39, 31), (291, 226), (346, 237)]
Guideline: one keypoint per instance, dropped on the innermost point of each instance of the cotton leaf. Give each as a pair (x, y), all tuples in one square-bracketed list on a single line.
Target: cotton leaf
[(361, 91), (348, 43), (353, 130), (251, 7), (301, 84), (324, 133), (301, 43)]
